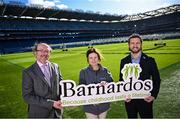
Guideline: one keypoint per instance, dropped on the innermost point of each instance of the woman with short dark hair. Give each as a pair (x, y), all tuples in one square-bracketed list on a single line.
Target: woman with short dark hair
[(93, 74)]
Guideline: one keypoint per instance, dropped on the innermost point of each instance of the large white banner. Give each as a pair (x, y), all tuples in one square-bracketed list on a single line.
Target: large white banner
[(131, 87)]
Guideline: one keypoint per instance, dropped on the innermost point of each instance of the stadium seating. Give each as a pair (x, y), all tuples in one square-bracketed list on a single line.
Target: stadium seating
[(19, 34)]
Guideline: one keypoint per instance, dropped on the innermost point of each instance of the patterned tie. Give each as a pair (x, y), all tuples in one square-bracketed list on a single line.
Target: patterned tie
[(47, 74)]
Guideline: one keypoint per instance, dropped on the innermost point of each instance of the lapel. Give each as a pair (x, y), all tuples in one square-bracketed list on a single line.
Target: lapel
[(39, 73), (143, 60), (53, 75), (129, 59)]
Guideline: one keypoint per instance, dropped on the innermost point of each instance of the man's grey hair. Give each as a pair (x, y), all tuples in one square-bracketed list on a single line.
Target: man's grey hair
[(36, 46)]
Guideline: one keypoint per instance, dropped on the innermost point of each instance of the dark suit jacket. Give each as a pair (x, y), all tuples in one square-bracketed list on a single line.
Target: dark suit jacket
[(36, 91), (149, 71)]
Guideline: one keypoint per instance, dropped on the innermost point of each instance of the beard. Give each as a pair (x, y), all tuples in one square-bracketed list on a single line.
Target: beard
[(135, 49)]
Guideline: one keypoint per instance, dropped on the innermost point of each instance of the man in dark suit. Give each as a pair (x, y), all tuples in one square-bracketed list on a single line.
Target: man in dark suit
[(149, 71), (40, 85)]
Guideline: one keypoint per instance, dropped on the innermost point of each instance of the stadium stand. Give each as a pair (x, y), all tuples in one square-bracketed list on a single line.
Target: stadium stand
[(21, 26)]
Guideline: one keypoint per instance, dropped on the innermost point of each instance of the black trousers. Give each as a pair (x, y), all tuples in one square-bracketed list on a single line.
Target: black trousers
[(139, 106)]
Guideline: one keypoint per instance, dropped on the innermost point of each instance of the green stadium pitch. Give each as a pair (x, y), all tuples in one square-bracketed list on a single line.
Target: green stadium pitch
[(71, 61)]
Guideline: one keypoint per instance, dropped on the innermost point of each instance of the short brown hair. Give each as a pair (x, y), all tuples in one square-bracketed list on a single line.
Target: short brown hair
[(94, 50), (134, 36)]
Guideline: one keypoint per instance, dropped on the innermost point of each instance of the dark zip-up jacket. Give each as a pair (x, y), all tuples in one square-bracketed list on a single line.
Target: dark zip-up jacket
[(89, 76)]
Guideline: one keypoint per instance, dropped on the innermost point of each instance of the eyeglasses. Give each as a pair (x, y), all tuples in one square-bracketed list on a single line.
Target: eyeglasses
[(43, 51)]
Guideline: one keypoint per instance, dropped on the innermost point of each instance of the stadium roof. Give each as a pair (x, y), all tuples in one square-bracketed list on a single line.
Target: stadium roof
[(37, 12), (154, 13)]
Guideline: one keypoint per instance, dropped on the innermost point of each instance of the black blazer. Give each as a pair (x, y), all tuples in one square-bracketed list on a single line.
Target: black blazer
[(36, 91), (149, 71)]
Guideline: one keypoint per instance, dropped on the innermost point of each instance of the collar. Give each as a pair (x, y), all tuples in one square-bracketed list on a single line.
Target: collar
[(41, 64), (90, 67), (137, 58)]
